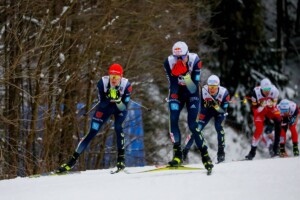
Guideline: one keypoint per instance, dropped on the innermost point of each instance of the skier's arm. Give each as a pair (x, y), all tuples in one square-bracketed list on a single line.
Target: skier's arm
[(122, 104), (255, 104), (192, 79), (102, 97), (173, 81), (225, 101), (284, 124), (292, 119)]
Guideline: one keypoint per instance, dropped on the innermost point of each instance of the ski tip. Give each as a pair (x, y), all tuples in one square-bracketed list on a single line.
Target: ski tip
[(113, 172), (116, 171)]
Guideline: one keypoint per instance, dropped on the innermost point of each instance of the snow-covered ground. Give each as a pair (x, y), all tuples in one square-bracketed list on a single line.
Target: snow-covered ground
[(261, 179)]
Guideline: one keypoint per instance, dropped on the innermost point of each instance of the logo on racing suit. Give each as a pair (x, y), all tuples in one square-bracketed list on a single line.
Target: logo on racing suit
[(99, 114)]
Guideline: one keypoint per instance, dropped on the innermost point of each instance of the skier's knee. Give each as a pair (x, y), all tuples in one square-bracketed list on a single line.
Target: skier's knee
[(193, 126)]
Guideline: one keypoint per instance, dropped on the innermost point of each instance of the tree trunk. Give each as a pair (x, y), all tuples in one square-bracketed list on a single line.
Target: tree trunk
[(32, 164), (12, 111), (279, 32), (297, 26)]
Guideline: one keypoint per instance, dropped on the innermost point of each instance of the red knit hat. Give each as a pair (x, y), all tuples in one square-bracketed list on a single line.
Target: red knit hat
[(115, 69)]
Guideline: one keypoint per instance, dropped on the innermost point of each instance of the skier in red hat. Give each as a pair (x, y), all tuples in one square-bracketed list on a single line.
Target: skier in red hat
[(114, 94)]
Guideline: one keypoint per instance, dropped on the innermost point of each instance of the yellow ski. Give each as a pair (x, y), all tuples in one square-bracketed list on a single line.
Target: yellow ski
[(165, 168)]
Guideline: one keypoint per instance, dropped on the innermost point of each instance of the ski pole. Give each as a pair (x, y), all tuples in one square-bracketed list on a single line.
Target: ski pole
[(85, 114), (238, 100), (244, 100), (148, 109)]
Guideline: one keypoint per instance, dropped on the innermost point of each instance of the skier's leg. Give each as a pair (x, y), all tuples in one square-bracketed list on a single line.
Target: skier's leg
[(259, 126), (293, 129), (219, 119), (99, 118), (119, 119), (175, 108), (282, 151)]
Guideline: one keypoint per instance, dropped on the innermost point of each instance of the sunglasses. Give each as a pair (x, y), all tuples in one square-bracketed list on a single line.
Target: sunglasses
[(212, 83), (180, 57), (114, 76), (266, 89), (213, 86)]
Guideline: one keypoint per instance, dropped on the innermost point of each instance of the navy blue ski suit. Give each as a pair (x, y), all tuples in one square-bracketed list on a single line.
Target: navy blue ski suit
[(184, 91), (105, 109), (208, 111)]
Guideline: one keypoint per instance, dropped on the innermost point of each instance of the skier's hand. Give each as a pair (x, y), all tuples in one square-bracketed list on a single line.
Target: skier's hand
[(263, 103), (292, 120), (216, 107), (214, 104), (270, 103), (114, 95), (116, 100), (179, 69), (219, 109), (187, 77), (209, 103)]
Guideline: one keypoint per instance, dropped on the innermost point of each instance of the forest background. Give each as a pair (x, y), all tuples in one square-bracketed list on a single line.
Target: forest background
[(53, 53)]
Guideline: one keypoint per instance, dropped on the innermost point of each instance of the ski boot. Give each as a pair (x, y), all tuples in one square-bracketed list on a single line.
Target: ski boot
[(177, 159), (221, 154), (121, 160), (275, 151), (295, 149), (185, 154), (282, 152), (207, 162), (69, 165), (251, 154), (271, 150)]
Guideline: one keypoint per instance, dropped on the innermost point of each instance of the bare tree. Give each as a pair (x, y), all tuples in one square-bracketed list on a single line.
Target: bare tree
[(53, 55)]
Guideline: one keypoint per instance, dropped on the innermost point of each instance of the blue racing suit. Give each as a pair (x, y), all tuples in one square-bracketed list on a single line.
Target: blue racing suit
[(105, 109), (212, 107), (184, 91)]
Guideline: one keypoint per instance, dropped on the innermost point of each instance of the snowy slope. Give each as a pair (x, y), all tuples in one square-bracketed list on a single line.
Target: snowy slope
[(262, 179)]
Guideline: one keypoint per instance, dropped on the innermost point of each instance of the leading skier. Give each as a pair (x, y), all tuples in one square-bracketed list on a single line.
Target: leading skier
[(183, 72)]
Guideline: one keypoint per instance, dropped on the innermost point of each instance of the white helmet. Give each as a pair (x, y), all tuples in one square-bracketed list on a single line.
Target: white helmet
[(284, 106), (213, 80), (180, 49), (265, 84)]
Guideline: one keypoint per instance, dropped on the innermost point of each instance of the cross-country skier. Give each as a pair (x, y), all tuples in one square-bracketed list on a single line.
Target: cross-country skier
[(289, 112), (113, 94), (264, 100), (183, 72), (214, 104)]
